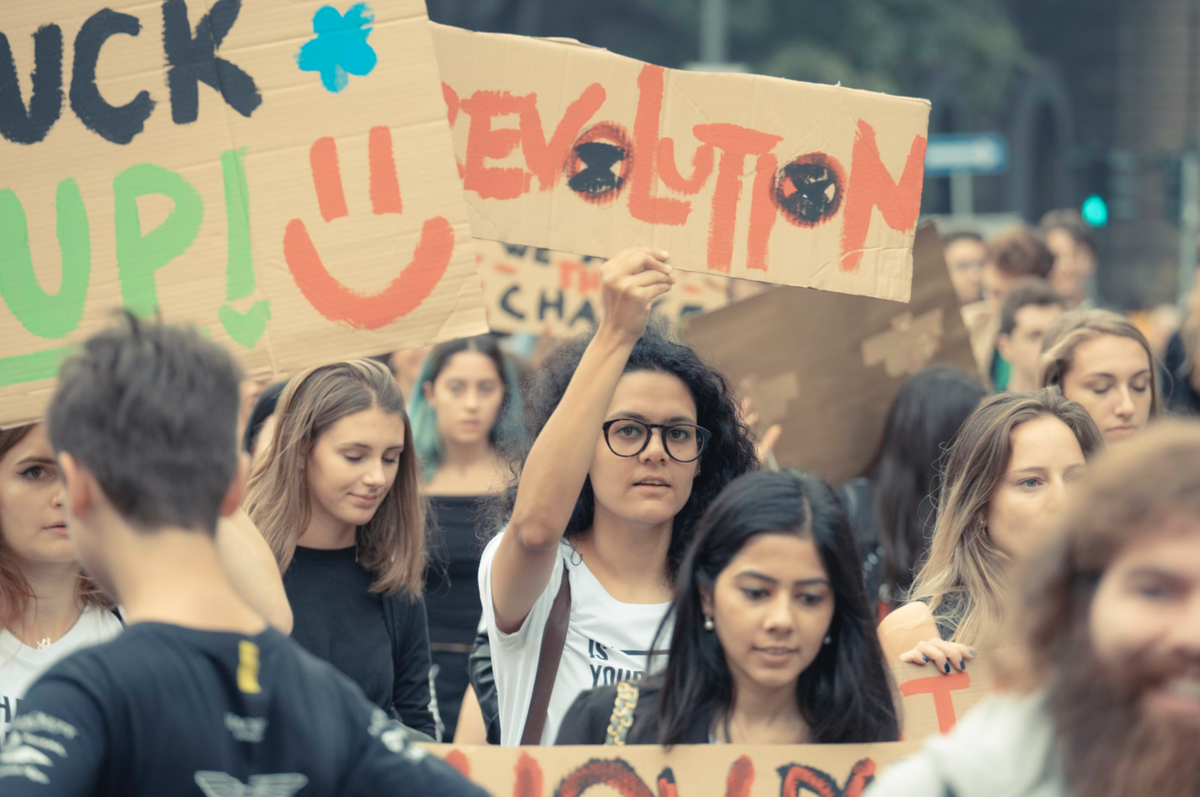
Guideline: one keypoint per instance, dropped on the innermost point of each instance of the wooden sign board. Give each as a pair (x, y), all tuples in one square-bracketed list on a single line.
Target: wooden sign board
[(826, 367), (279, 174), (576, 149)]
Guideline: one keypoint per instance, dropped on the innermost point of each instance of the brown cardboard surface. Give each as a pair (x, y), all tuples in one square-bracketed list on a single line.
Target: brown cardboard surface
[(171, 224), (684, 771), (826, 367), (528, 289), (576, 149), (932, 702)]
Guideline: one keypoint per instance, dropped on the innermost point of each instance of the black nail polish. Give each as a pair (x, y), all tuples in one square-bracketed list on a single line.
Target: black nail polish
[(971, 652), (947, 668), (962, 664), (925, 657)]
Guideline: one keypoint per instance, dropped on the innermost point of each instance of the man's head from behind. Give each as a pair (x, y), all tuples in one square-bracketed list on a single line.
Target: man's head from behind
[(1112, 620), (1012, 255), (1029, 310), (144, 424)]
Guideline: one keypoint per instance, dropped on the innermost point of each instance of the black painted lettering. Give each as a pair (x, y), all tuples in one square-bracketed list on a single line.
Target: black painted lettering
[(45, 101), (118, 124), (544, 305), (542, 256), (586, 313), (514, 250), (506, 303), (193, 60)]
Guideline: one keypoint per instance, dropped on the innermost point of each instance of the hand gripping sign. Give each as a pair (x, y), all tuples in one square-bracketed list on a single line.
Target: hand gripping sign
[(279, 174), (579, 150)]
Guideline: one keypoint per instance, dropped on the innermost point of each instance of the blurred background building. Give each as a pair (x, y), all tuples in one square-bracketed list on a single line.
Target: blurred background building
[(1095, 98)]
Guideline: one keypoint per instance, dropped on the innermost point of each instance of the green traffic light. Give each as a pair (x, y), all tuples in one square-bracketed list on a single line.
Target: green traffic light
[(1095, 211)]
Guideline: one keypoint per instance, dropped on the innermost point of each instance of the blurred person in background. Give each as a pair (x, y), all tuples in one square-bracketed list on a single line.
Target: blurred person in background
[(1011, 256), (1107, 697), (405, 365), (892, 505), (466, 397), (1101, 361), (259, 428), (1183, 384), (1008, 475), (48, 607), (1028, 312), (965, 253), (1073, 245), (338, 499)]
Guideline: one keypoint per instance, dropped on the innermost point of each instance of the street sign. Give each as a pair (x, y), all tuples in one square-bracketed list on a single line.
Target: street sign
[(966, 153)]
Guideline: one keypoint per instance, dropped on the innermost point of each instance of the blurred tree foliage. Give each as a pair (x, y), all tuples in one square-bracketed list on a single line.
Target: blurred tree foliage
[(894, 46)]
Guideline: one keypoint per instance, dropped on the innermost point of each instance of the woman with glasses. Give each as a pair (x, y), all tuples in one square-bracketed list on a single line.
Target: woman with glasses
[(629, 437)]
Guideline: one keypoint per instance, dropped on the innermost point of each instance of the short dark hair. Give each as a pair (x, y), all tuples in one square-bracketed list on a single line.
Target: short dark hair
[(963, 235), (1031, 291), (151, 409), (1070, 222), (1020, 253)]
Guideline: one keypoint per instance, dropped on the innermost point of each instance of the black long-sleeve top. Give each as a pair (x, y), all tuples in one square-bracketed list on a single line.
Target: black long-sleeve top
[(338, 618)]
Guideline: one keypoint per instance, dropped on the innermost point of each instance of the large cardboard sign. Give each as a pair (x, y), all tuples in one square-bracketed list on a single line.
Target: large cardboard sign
[(528, 289), (827, 367), (279, 174), (931, 704), (576, 149)]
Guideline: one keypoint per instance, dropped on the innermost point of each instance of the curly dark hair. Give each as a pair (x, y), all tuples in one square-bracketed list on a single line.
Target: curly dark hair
[(729, 453)]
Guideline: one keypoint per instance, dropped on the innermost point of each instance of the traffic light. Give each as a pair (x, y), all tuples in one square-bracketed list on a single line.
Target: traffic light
[(1095, 211)]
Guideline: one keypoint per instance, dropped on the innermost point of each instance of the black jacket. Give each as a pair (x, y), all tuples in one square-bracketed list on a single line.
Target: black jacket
[(587, 721)]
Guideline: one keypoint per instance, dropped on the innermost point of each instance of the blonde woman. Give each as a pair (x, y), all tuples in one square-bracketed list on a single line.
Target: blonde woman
[(1102, 362), (1008, 473), (337, 497)]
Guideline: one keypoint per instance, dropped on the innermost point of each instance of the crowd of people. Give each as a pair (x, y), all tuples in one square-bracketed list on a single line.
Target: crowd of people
[(599, 551)]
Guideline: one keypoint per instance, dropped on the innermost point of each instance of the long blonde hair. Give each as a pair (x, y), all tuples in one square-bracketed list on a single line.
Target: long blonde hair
[(965, 577), (15, 592), (392, 544), (1079, 326)]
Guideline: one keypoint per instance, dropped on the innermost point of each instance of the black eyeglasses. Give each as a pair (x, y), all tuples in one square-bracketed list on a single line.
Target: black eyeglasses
[(684, 442)]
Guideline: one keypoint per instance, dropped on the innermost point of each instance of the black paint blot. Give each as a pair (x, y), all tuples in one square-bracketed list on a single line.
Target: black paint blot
[(597, 179), (45, 102), (193, 60), (118, 124), (809, 189)]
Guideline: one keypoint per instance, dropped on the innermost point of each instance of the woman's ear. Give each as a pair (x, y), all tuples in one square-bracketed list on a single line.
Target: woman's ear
[(427, 391), (706, 602)]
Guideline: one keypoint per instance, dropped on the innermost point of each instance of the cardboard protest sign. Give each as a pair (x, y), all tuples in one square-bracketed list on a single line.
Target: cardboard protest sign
[(684, 771), (932, 702), (279, 174), (826, 367), (576, 149), (544, 292)]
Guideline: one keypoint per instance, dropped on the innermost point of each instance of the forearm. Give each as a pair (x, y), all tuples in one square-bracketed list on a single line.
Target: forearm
[(251, 568)]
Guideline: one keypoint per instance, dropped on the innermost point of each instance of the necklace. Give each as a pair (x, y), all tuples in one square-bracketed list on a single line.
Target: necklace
[(43, 643)]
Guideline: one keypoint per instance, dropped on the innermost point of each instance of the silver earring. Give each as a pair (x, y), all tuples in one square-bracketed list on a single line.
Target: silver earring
[(829, 640), (708, 624)]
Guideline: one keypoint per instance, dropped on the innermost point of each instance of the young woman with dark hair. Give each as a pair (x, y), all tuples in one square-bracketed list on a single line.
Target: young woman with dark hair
[(891, 506), (466, 397), (628, 438), (774, 639)]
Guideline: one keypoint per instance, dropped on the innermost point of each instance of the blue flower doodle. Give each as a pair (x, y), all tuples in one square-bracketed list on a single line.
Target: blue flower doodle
[(340, 46)]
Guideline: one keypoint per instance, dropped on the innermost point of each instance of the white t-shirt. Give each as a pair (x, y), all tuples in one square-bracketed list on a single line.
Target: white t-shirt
[(21, 665), (607, 641)]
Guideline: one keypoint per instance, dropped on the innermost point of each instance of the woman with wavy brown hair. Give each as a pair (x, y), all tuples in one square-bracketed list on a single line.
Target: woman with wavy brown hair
[(1008, 474), (337, 497)]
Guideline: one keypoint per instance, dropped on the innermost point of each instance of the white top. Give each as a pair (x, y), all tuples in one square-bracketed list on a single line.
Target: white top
[(21, 665), (607, 641)]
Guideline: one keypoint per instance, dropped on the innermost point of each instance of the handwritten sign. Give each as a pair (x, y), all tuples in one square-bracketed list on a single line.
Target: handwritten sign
[(827, 367), (279, 174), (555, 293), (579, 150)]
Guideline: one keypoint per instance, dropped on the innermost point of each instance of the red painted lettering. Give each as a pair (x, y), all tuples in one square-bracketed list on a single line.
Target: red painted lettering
[(870, 185), (615, 773), (735, 143), (940, 686), (741, 778), (546, 160), (459, 760), (484, 142), (796, 777), (702, 166), (643, 205), (529, 777)]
